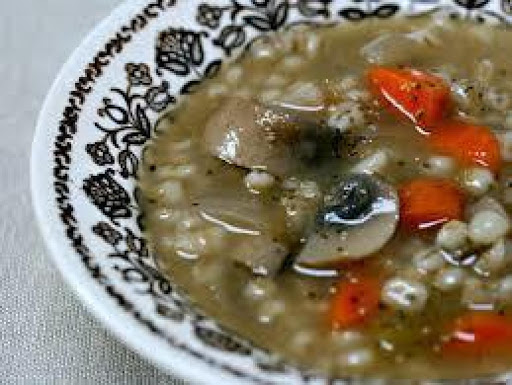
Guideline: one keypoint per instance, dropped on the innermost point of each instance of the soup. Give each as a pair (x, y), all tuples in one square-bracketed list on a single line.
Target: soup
[(340, 195)]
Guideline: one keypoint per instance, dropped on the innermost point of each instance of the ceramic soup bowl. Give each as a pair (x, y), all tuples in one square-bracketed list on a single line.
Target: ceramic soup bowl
[(100, 112)]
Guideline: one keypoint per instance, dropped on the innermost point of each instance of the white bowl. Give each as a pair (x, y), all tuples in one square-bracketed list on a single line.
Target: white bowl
[(99, 112)]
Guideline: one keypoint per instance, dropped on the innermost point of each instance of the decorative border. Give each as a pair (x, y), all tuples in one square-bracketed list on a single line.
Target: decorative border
[(179, 52)]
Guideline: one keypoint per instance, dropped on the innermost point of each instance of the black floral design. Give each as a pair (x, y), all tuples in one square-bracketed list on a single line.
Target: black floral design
[(273, 17), (108, 195), (129, 125), (357, 14), (138, 74), (179, 51), (100, 153), (313, 8), (258, 15), (107, 232), (261, 15), (137, 268), (209, 15), (231, 37), (136, 244), (129, 163), (126, 120), (158, 97), (472, 4)]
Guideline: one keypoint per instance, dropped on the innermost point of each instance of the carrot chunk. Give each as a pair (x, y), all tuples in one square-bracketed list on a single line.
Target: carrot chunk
[(429, 202), (355, 302), (468, 143), (421, 97), (479, 333)]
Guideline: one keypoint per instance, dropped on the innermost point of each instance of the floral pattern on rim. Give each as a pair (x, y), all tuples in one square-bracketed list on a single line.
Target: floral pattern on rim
[(181, 52), (138, 74), (107, 232), (210, 15), (100, 153), (260, 15), (381, 12), (128, 118), (108, 195)]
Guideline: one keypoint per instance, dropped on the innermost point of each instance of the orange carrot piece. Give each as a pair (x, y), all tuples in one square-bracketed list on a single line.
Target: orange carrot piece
[(468, 143), (355, 302), (429, 202), (479, 333), (421, 97)]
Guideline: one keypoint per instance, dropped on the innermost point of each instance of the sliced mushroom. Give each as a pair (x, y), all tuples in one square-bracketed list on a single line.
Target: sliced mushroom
[(358, 221), (250, 135), (261, 242), (262, 254), (241, 215)]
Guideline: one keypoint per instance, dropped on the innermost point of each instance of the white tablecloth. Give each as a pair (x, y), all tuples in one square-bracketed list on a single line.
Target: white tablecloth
[(46, 336)]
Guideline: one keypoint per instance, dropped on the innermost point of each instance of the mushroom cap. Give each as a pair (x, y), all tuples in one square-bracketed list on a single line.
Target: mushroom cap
[(329, 246), (278, 139), (250, 135)]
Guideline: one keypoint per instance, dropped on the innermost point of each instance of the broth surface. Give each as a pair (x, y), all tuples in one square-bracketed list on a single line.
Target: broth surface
[(200, 210)]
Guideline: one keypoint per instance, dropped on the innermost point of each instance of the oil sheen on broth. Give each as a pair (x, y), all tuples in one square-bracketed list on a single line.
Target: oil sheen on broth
[(339, 195)]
